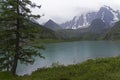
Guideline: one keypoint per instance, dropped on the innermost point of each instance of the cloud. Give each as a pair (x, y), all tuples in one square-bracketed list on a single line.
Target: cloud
[(63, 10)]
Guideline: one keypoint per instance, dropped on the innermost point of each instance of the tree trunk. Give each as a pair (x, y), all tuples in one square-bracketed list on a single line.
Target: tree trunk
[(16, 56), (14, 67)]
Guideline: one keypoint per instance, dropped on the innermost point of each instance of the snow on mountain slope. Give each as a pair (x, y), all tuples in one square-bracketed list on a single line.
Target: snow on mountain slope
[(106, 14)]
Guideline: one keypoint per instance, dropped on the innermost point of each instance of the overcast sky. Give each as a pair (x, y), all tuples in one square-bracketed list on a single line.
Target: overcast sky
[(63, 10)]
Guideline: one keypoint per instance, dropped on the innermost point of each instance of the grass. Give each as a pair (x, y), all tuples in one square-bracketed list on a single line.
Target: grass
[(99, 69), (45, 41), (41, 41)]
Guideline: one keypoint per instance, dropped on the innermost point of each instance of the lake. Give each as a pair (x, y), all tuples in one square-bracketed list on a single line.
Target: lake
[(71, 53)]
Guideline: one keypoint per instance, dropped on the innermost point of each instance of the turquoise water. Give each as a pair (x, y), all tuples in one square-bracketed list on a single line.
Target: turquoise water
[(71, 53)]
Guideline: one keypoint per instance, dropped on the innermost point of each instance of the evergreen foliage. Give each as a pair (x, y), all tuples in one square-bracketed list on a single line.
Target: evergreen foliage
[(16, 32)]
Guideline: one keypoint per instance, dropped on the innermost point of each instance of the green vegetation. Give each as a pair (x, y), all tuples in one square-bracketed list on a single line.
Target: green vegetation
[(44, 41), (75, 35), (114, 33), (16, 32), (99, 69), (44, 33)]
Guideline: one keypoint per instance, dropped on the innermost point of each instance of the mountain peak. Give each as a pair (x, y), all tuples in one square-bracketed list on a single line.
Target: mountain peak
[(50, 20), (97, 26), (107, 7), (108, 15), (52, 25)]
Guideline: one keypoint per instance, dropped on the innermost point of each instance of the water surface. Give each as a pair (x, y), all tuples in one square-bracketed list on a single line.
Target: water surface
[(71, 53)]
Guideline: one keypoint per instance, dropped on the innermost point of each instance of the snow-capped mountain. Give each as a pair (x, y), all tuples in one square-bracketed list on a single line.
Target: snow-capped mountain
[(106, 14)]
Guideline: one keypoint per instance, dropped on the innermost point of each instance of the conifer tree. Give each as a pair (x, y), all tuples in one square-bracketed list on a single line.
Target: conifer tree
[(16, 31)]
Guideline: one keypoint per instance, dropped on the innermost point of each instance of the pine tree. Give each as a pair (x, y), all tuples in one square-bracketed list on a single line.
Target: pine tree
[(16, 31)]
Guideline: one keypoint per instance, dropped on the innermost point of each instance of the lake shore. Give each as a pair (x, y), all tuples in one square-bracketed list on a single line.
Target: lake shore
[(98, 69), (46, 41)]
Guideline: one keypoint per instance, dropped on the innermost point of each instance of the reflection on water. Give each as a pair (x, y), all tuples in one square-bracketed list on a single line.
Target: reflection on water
[(72, 52)]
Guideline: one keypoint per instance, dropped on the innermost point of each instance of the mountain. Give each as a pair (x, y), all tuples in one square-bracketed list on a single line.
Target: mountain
[(97, 26), (106, 14), (79, 21), (114, 32), (44, 33), (96, 30), (52, 25)]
